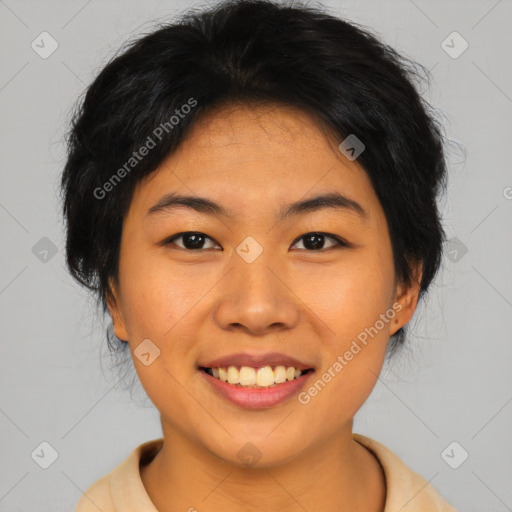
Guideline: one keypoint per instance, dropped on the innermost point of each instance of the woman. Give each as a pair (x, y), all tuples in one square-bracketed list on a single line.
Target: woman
[(251, 193)]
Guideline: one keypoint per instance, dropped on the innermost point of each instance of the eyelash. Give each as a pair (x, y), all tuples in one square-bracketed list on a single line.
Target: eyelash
[(339, 241)]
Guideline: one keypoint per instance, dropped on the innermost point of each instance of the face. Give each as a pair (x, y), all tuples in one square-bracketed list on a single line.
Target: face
[(314, 284)]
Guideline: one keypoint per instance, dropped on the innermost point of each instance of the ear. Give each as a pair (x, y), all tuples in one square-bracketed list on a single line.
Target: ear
[(407, 298), (113, 305)]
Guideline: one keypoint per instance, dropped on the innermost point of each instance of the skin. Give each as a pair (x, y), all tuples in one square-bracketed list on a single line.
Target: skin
[(309, 303)]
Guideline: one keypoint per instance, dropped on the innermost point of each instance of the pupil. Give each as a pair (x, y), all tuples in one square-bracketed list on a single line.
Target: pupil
[(317, 241), (196, 243)]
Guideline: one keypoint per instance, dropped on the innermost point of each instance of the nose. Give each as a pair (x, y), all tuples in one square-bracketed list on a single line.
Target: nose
[(256, 297)]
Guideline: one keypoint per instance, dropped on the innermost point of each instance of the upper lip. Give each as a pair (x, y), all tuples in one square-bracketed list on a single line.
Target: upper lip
[(256, 361)]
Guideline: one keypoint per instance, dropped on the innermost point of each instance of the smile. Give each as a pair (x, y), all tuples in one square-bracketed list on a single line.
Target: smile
[(256, 388)]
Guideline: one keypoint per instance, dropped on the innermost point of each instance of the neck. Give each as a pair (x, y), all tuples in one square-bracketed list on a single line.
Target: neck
[(339, 475)]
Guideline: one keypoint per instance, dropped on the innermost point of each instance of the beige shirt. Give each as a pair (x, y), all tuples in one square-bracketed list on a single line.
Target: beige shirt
[(122, 489)]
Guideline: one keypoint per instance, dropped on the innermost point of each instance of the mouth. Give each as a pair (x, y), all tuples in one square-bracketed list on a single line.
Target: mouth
[(262, 377), (256, 388)]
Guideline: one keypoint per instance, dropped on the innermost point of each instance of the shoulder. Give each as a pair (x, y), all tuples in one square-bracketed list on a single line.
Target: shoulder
[(407, 491), (122, 488), (97, 497)]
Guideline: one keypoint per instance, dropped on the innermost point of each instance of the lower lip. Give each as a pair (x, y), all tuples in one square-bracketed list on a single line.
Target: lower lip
[(257, 398)]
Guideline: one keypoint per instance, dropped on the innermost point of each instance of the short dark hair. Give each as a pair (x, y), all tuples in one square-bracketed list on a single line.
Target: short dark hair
[(250, 52)]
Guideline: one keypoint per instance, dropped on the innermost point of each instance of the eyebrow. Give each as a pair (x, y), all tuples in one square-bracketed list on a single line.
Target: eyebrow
[(206, 206)]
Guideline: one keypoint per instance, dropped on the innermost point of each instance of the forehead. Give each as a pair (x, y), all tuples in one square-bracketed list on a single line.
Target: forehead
[(257, 154), (264, 123), (258, 136)]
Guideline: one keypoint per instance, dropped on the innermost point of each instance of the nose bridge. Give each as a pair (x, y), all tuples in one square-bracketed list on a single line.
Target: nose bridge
[(252, 266), (254, 295)]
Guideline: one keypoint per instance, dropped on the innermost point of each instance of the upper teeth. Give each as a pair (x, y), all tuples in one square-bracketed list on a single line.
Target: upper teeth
[(249, 376)]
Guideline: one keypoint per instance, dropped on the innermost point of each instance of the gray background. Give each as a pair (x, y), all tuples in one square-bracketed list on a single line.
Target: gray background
[(451, 383)]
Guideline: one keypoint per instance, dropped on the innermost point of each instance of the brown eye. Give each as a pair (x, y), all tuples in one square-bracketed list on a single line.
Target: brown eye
[(192, 240), (315, 241), (312, 242)]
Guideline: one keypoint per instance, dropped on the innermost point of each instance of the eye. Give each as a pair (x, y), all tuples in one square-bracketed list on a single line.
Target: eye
[(195, 240), (314, 241), (192, 240)]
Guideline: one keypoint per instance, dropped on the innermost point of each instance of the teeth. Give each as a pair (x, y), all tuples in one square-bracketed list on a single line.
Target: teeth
[(265, 376), (233, 375), (279, 374), (248, 376)]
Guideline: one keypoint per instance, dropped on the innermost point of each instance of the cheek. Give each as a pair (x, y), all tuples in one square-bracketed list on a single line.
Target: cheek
[(354, 346), (155, 296), (350, 302), (159, 306), (352, 296)]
